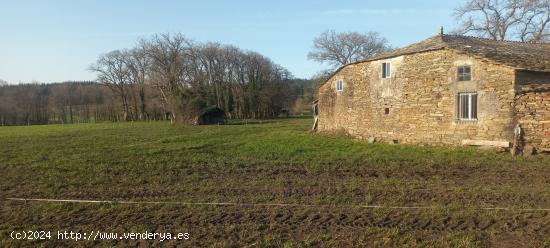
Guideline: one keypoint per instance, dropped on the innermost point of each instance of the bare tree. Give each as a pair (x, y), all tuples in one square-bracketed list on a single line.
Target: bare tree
[(535, 26), (526, 20), (112, 70), (339, 49), (3, 82), (172, 74), (138, 65)]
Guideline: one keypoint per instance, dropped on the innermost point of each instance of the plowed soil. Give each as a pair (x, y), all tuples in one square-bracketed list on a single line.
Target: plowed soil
[(425, 196)]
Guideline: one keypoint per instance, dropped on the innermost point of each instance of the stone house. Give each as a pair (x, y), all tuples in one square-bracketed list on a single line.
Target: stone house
[(447, 89)]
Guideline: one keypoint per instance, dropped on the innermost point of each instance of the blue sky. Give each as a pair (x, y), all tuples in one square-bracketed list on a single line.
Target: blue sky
[(57, 40)]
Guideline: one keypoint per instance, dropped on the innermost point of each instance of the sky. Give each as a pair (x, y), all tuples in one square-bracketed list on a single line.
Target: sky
[(57, 40)]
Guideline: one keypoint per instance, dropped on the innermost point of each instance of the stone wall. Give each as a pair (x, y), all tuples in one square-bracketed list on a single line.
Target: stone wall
[(533, 113), (417, 104)]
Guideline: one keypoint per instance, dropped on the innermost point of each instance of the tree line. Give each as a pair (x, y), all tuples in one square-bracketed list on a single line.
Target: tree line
[(89, 101), (67, 102), (164, 77), (190, 76)]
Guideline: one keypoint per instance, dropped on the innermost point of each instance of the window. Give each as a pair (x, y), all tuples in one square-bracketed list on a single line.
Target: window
[(386, 111), (339, 85), (386, 70), (467, 106), (464, 73)]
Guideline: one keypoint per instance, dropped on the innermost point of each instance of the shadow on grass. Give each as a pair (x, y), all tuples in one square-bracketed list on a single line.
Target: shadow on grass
[(265, 121), (250, 122), (301, 117)]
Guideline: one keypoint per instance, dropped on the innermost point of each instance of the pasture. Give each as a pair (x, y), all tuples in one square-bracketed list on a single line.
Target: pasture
[(280, 185)]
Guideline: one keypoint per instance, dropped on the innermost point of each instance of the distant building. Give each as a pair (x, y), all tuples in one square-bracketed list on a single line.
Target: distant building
[(210, 116), (447, 89)]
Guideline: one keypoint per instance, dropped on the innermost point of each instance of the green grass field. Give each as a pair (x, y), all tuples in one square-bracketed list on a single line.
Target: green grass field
[(328, 179)]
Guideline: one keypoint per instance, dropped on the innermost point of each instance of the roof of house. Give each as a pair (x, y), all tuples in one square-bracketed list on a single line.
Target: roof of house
[(519, 55)]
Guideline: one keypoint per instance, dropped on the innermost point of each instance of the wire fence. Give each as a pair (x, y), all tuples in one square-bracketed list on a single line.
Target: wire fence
[(267, 204)]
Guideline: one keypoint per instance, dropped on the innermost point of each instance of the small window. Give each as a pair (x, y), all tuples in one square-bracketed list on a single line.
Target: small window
[(386, 70), (339, 85), (387, 111), (467, 106), (464, 73)]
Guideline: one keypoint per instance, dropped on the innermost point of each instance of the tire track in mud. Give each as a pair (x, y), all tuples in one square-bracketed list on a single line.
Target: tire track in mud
[(413, 221), (284, 221)]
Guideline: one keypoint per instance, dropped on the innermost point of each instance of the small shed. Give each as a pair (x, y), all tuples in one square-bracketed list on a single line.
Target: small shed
[(210, 115), (284, 113)]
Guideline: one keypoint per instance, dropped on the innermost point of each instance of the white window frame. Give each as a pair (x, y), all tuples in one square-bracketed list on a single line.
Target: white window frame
[(458, 75), (340, 85), (470, 107), (386, 66)]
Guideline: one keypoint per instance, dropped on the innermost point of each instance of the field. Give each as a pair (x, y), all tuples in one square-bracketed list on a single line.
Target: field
[(333, 192)]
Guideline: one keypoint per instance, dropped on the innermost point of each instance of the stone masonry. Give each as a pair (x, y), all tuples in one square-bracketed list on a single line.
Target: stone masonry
[(418, 103)]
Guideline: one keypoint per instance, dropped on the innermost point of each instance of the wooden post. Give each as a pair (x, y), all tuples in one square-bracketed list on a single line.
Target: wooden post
[(315, 109), (517, 139)]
